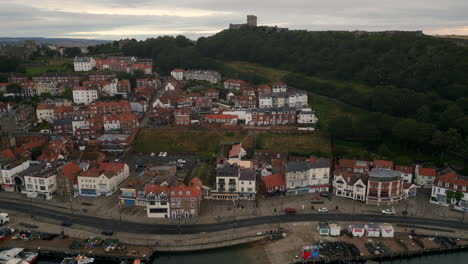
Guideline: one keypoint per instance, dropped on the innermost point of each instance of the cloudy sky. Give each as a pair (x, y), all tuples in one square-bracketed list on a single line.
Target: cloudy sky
[(116, 19)]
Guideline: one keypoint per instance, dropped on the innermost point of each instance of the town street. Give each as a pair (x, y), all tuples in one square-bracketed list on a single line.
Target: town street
[(141, 228)]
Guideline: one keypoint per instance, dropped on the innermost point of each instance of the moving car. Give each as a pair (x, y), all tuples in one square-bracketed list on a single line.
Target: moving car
[(323, 210), (388, 211), (290, 210)]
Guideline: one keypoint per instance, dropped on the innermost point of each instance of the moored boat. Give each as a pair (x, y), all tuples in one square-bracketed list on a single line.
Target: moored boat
[(17, 253)]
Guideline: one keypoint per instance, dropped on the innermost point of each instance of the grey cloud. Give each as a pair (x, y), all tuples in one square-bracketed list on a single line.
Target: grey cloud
[(428, 15)]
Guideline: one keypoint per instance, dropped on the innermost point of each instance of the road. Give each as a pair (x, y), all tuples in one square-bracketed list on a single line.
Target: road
[(142, 228)]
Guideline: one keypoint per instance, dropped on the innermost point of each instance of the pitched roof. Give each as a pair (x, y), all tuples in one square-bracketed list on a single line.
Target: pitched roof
[(7, 154), (220, 116), (383, 164), (70, 171), (235, 150), (178, 70), (273, 180), (404, 169), (155, 188), (247, 175), (427, 172), (296, 166)]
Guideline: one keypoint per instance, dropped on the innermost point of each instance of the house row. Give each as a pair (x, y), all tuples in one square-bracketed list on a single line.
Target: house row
[(261, 90), (118, 64), (43, 180), (274, 116), (450, 189), (199, 75)]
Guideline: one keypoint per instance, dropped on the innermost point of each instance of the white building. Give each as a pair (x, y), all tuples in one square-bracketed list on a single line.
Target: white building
[(40, 181), (265, 101), (233, 183), (84, 63), (110, 88), (45, 112), (279, 87), (157, 201), (306, 116), (178, 74), (46, 87), (9, 171), (424, 177), (247, 187), (307, 177), (350, 185), (103, 180), (209, 76), (451, 189), (83, 95)]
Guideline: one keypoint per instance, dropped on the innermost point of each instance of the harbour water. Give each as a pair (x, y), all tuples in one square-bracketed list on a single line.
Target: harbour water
[(252, 254)]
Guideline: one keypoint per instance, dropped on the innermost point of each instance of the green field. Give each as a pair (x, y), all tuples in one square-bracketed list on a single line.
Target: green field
[(201, 141), (301, 144), (34, 70)]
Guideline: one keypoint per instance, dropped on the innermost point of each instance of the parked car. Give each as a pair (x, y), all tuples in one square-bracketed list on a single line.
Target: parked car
[(152, 154), (67, 223), (107, 232), (326, 195), (323, 210), (181, 161), (290, 210), (388, 211)]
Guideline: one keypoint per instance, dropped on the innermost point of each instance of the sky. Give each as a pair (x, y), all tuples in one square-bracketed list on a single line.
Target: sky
[(140, 19)]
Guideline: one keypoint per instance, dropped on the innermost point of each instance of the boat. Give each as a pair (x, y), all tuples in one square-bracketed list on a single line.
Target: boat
[(77, 260), (16, 261), (17, 253)]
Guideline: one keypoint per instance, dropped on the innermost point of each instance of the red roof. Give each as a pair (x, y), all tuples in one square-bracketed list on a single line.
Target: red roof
[(263, 86), (71, 170), (7, 154), (185, 191), (404, 169), (279, 84), (45, 106), (453, 179), (235, 151), (427, 172), (178, 70), (234, 81), (273, 180), (220, 116), (383, 164), (347, 163), (154, 188)]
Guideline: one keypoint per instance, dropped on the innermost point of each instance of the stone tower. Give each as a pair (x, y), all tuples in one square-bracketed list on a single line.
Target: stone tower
[(251, 20)]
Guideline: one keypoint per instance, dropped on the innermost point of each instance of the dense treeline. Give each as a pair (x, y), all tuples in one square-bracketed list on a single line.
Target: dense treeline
[(402, 59), (170, 52), (9, 64)]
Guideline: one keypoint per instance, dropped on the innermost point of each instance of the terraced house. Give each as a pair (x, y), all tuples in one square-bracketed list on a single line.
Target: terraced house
[(450, 189), (312, 176)]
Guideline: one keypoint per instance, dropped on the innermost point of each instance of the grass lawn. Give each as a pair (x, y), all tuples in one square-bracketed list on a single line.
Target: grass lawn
[(300, 144), (201, 141), (278, 75), (34, 70)]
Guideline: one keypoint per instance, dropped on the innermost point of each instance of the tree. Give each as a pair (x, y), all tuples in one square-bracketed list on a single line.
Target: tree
[(14, 88), (341, 127), (72, 52)]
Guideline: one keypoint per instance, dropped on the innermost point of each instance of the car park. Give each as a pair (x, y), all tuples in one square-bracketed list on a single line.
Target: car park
[(323, 210)]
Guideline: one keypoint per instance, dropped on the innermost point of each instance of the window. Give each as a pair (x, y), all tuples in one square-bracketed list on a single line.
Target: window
[(42, 188), (440, 183), (187, 192), (464, 188), (447, 185), (29, 186), (455, 186)]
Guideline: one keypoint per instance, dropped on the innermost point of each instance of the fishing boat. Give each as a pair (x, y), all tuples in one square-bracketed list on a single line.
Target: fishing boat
[(17, 253), (77, 260)]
